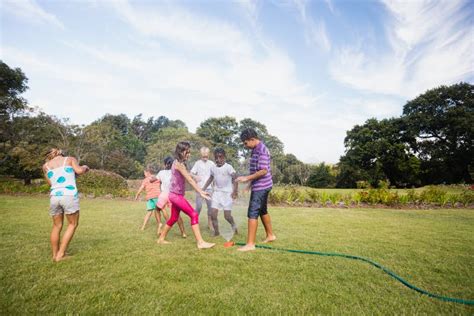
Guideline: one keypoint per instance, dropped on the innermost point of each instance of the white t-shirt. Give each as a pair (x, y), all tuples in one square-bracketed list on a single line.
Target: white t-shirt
[(223, 177), (202, 169), (165, 177)]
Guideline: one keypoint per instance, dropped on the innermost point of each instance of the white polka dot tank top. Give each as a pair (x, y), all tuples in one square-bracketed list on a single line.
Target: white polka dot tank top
[(63, 180)]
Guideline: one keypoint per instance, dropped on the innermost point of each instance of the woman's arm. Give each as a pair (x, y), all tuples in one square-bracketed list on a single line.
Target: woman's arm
[(45, 172), (182, 169), (77, 168)]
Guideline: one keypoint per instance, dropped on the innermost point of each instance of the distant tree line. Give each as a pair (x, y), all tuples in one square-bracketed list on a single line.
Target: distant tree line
[(431, 143)]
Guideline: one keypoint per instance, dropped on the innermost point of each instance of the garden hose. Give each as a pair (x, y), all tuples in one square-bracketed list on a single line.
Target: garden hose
[(375, 264)]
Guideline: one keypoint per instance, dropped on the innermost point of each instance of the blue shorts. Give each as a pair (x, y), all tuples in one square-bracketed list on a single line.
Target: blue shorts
[(258, 203)]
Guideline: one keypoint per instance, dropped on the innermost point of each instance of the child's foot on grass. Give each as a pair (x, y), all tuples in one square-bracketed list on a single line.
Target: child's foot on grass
[(269, 239), (205, 245), (61, 258), (184, 235), (246, 248), (163, 242), (215, 234)]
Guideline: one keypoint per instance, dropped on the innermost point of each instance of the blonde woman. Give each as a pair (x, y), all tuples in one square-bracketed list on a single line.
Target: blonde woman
[(60, 172)]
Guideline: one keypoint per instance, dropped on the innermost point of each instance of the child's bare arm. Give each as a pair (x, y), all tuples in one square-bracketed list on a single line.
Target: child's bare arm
[(235, 192), (77, 168), (253, 176), (182, 169), (45, 174), (209, 181), (139, 191)]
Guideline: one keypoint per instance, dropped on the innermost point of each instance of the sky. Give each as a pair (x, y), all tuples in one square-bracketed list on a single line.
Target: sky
[(308, 70)]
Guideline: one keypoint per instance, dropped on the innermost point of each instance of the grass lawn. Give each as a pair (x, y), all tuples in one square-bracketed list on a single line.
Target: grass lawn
[(117, 269)]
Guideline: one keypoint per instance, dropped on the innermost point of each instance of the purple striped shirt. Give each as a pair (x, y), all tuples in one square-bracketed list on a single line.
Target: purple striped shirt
[(261, 160)]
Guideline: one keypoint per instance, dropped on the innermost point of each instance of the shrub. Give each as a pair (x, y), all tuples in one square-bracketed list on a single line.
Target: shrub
[(362, 184), (100, 182)]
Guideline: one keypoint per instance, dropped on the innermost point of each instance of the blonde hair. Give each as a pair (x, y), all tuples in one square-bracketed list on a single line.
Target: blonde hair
[(53, 153)]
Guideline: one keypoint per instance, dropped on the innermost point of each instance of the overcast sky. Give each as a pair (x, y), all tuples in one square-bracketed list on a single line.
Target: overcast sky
[(308, 70)]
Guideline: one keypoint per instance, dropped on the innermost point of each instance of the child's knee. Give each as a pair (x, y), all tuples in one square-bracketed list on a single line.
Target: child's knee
[(194, 218)]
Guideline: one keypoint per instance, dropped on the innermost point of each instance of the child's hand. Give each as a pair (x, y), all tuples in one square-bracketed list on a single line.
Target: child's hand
[(205, 195), (234, 195), (242, 179), (136, 197), (86, 168)]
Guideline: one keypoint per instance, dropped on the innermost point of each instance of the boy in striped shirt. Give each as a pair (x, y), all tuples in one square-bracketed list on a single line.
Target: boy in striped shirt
[(261, 184), (152, 189)]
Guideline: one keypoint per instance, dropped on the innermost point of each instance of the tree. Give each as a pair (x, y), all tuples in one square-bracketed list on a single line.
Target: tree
[(13, 82), (164, 144), (440, 125), (321, 177), (222, 132), (375, 151), (36, 135)]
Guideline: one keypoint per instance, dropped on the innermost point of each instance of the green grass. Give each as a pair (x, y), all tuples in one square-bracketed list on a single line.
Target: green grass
[(117, 269)]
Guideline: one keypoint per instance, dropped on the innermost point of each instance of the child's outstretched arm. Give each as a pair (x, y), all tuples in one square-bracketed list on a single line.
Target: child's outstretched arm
[(77, 168), (235, 192), (253, 176), (139, 191), (209, 181), (182, 169)]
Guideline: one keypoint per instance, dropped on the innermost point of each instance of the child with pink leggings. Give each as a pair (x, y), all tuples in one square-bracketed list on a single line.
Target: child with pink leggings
[(179, 176)]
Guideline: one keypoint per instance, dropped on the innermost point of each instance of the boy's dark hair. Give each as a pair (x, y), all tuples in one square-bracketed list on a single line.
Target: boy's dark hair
[(181, 147), (168, 161), (248, 134), (219, 150)]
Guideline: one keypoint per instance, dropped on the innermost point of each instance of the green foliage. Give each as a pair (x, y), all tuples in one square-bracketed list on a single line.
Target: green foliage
[(101, 182), (321, 177), (439, 125), (13, 186), (428, 196)]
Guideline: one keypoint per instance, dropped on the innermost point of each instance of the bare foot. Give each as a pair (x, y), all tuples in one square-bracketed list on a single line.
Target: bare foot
[(142, 229), (215, 234), (205, 245), (269, 239), (61, 258), (246, 248), (184, 235), (163, 242)]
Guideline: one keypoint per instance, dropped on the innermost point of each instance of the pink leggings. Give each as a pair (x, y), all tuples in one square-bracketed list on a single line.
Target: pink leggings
[(179, 203)]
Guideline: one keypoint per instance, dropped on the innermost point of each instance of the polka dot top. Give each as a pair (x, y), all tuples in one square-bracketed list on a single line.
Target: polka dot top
[(63, 180)]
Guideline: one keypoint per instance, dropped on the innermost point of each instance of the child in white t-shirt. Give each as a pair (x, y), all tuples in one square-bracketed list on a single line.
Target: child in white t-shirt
[(224, 189), (164, 176)]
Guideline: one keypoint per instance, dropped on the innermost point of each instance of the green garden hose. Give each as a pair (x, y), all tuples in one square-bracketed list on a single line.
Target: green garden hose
[(375, 264)]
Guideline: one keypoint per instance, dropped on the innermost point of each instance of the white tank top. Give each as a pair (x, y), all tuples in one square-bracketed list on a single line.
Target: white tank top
[(63, 180)]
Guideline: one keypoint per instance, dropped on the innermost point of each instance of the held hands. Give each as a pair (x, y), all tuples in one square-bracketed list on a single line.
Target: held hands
[(205, 195), (234, 195), (242, 179)]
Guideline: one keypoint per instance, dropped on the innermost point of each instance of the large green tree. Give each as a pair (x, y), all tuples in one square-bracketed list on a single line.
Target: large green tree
[(375, 151), (440, 124)]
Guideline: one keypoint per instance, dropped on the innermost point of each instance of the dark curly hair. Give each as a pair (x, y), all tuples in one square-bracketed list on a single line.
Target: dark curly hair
[(248, 134), (219, 150)]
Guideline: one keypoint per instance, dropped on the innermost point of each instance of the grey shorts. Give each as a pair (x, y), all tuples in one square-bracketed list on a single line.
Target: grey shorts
[(63, 204)]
